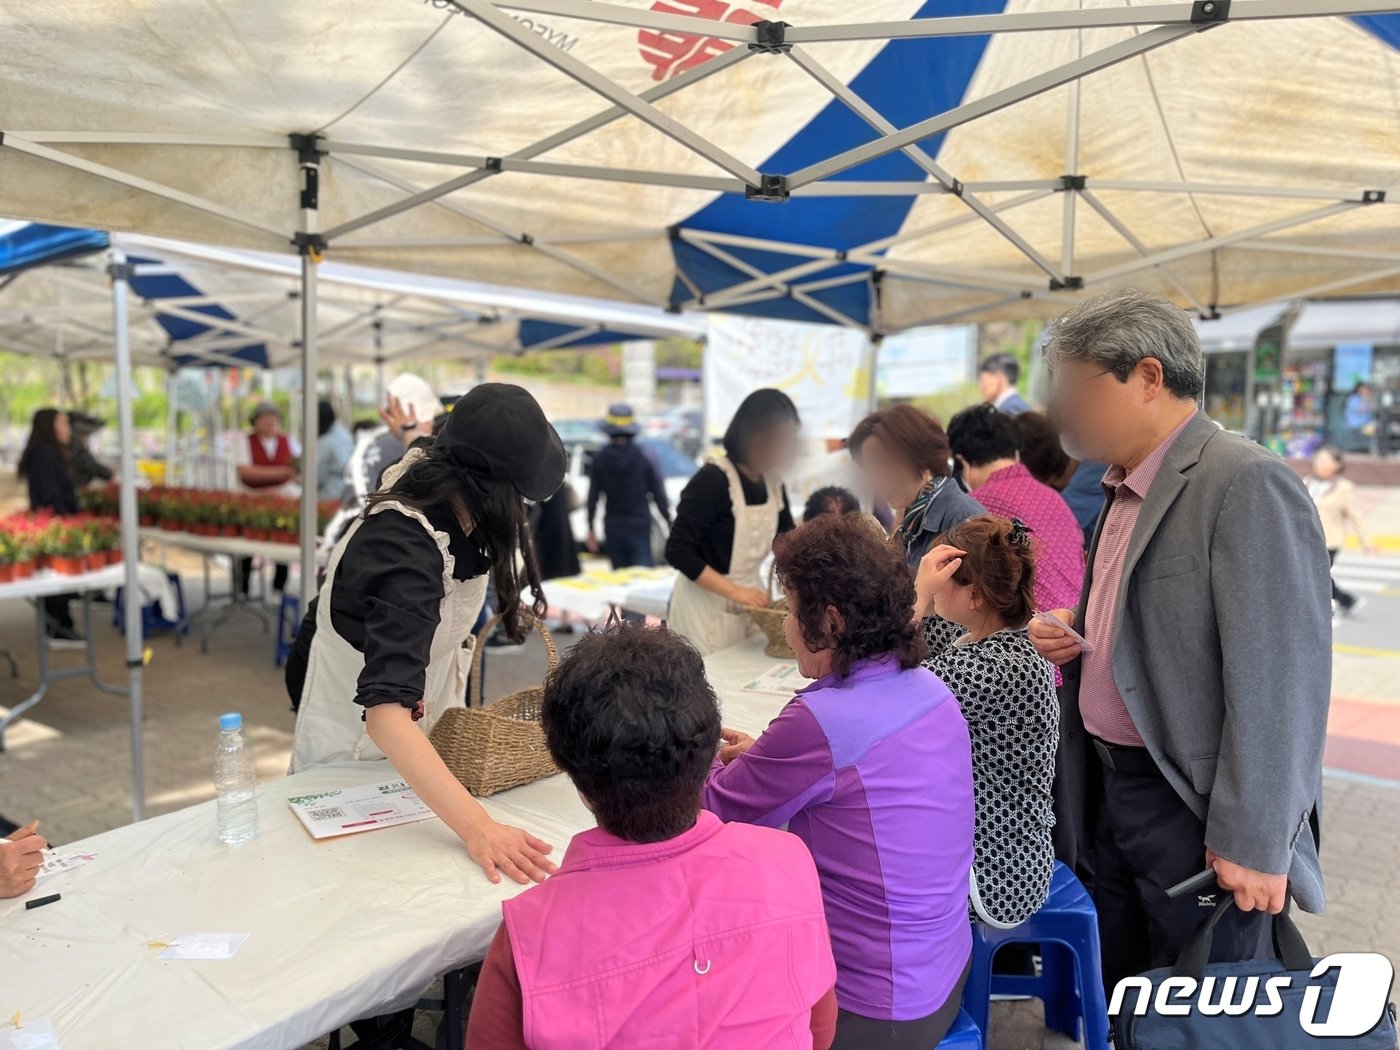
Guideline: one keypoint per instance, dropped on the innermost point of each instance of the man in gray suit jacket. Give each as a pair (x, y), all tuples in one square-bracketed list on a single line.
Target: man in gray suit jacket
[(1192, 734)]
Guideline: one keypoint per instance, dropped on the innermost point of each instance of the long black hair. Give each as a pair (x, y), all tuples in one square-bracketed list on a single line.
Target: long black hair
[(496, 515), (756, 413), (42, 433)]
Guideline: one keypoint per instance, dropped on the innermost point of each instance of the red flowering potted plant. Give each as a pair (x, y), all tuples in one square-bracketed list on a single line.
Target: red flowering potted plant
[(286, 526), (9, 552), (66, 546), (21, 540)]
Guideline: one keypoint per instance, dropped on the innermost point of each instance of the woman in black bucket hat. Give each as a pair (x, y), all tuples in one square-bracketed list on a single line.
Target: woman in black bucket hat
[(402, 592)]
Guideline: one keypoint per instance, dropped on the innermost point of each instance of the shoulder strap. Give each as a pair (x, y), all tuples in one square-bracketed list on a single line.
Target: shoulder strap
[(1288, 942)]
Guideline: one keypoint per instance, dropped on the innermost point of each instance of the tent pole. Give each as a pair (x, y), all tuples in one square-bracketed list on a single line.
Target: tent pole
[(1071, 161), (131, 548), (381, 389), (311, 245), (172, 422)]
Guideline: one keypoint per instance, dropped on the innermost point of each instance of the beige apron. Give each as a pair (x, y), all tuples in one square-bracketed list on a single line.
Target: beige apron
[(329, 726), (713, 623)]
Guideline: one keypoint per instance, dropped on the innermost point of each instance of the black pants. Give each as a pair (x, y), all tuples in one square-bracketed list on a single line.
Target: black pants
[(245, 576), (56, 607), (626, 549), (1146, 839), (855, 1032), (1344, 599)]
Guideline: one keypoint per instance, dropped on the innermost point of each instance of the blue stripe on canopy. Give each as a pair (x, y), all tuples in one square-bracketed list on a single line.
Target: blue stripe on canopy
[(907, 81), (172, 286), (533, 333), (36, 244), (1387, 27)]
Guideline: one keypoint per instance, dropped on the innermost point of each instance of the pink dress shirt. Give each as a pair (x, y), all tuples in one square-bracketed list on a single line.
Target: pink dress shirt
[(1100, 703)]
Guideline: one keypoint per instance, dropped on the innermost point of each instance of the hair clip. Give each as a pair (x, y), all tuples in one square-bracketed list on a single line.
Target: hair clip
[(1020, 532)]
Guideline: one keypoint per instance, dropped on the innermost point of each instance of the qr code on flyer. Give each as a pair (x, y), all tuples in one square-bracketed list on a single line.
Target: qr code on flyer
[(329, 813)]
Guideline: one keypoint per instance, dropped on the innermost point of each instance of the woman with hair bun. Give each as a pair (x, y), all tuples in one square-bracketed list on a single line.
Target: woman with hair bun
[(975, 595)]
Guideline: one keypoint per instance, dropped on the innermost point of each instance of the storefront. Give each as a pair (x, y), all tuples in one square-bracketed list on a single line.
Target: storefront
[(1241, 365), (1341, 377)]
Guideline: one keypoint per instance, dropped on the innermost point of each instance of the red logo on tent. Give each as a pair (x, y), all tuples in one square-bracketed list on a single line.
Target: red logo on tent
[(674, 53)]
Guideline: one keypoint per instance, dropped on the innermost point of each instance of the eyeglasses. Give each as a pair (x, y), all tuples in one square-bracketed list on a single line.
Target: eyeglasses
[(1069, 393)]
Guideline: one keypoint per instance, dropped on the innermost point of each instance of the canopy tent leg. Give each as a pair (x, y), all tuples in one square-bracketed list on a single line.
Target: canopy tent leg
[(1071, 163), (131, 547), (172, 423), (310, 160), (381, 388)]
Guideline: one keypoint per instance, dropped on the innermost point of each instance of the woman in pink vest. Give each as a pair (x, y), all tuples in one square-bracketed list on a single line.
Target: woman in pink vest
[(871, 766), (663, 927)]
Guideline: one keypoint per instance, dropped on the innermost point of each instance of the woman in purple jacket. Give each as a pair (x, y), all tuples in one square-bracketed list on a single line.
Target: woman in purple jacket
[(871, 766)]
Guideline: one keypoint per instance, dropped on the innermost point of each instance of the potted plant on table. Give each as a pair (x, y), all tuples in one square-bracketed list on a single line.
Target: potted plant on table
[(66, 546), (9, 552)]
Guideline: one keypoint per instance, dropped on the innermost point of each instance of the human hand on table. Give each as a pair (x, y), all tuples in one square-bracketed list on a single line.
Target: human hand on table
[(733, 744), (1052, 643), (500, 848), (20, 859), (1253, 890)]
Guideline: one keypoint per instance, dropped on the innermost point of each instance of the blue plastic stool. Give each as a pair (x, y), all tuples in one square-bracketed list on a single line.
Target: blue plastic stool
[(1071, 978), (287, 630), (964, 1035), (151, 618)]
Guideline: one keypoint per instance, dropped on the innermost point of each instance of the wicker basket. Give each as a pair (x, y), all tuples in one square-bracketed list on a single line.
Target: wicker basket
[(499, 745), (771, 621)]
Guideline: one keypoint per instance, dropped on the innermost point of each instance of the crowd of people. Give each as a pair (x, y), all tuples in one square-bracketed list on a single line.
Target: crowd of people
[(1021, 667)]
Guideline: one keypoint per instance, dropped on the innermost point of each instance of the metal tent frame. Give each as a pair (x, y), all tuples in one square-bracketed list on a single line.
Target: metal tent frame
[(1058, 279)]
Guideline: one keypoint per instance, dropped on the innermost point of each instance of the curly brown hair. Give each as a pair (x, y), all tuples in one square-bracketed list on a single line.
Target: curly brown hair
[(842, 561), (999, 562)]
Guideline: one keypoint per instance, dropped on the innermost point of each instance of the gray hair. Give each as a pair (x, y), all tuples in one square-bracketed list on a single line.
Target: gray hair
[(1118, 329)]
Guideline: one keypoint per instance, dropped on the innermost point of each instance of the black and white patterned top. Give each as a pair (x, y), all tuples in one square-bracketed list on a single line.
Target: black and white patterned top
[(1007, 694)]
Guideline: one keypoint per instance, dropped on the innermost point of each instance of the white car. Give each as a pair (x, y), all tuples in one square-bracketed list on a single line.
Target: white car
[(676, 469)]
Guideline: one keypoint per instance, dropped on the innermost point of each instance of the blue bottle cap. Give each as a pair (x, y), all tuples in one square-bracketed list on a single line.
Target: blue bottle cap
[(230, 721)]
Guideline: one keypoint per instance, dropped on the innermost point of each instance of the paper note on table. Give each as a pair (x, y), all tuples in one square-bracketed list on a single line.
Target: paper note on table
[(346, 811), (781, 680), (204, 946), (59, 863), (19, 1034)]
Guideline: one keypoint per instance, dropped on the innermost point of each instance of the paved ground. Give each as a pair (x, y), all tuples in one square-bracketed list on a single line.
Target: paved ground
[(69, 764)]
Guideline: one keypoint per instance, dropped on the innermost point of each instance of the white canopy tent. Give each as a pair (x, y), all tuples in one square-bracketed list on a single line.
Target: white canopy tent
[(365, 316), (940, 160)]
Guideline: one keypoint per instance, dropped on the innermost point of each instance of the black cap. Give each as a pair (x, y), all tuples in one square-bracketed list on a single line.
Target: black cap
[(498, 431)]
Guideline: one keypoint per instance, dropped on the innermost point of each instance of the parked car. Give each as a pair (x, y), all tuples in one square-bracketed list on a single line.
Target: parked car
[(678, 426), (677, 468), (579, 432)]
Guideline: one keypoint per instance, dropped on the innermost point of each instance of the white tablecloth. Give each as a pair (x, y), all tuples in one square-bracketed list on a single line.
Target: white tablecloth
[(340, 929), (154, 585), (595, 593), (233, 546)]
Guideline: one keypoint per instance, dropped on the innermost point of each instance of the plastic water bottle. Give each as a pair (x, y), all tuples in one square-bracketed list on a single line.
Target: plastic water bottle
[(235, 781)]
